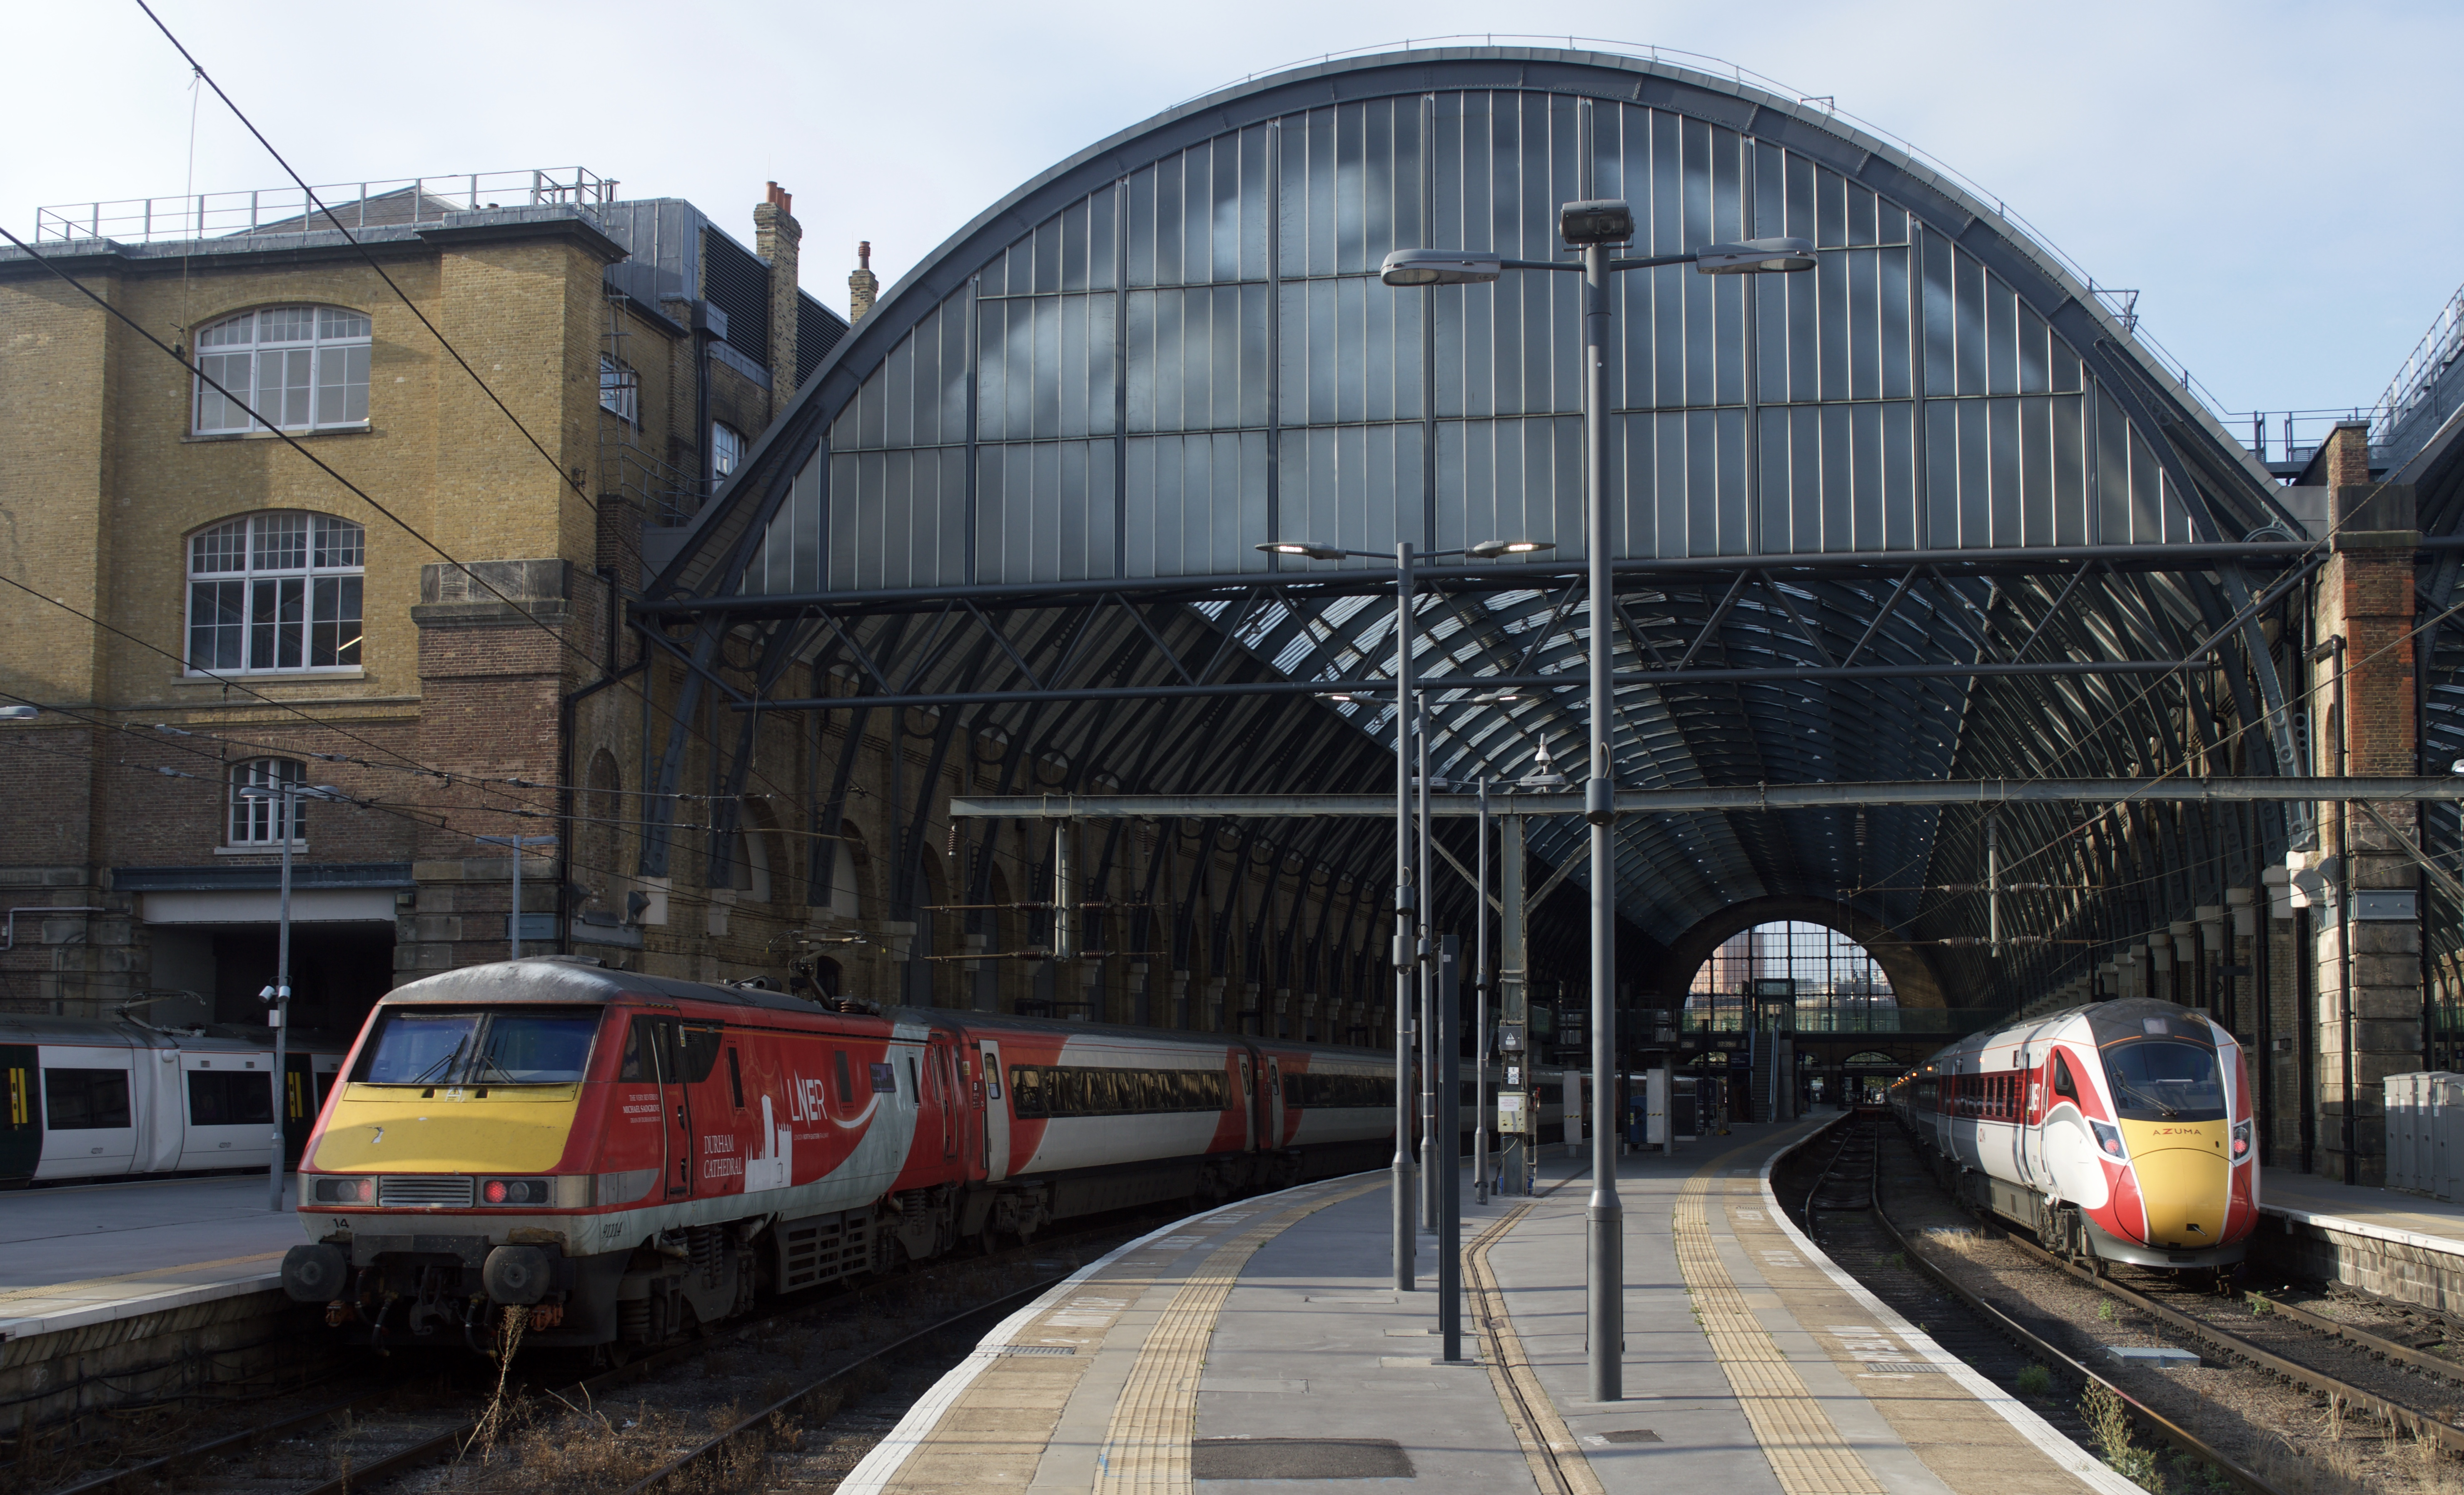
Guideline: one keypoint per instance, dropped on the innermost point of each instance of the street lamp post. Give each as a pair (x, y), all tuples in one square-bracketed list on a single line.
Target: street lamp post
[(286, 795), (1591, 228), (1408, 951)]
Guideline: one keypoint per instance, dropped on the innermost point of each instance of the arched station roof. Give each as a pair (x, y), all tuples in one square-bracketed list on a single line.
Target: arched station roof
[(1043, 460)]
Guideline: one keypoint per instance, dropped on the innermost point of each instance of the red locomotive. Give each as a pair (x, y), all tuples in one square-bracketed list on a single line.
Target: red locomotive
[(626, 1156)]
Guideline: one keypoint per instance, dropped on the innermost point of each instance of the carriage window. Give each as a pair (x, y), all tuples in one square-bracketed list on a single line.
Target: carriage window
[(229, 1100), (846, 1085), (90, 1100), (734, 1077), (2063, 1084)]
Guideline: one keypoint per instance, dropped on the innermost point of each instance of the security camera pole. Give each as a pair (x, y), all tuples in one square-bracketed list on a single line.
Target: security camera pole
[(1591, 228)]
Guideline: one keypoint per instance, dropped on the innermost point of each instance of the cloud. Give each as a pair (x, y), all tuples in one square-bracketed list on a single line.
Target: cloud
[(2246, 167)]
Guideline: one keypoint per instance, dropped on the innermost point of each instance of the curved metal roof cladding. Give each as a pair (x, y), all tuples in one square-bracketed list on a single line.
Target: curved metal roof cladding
[(1174, 345)]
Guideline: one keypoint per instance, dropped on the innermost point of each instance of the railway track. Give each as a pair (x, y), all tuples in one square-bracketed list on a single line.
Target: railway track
[(1871, 1244), (362, 1441)]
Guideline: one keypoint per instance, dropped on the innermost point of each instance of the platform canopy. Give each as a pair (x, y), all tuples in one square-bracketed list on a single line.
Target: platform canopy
[(1929, 509)]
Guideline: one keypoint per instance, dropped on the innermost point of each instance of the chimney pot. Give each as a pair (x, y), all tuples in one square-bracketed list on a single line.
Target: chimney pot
[(863, 286)]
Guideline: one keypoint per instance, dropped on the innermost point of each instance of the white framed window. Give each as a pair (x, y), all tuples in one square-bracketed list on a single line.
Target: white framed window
[(276, 592), (302, 367), (726, 449), (620, 388), (264, 821)]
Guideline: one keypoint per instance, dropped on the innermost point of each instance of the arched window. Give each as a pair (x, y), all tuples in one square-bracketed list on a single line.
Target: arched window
[(276, 592), (726, 449), (301, 367), (267, 821), (752, 858)]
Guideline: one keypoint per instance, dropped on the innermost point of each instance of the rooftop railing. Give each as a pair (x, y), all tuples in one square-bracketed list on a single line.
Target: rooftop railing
[(407, 201), (1928, 1021)]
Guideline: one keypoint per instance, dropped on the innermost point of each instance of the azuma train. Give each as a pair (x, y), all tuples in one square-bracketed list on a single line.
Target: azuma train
[(625, 1157), (2118, 1132)]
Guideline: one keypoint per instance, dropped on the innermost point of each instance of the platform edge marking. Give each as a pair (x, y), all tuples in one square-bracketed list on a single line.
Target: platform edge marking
[(873, 1473), (1808, 1453), (2022, 1417), (1147, 1446)]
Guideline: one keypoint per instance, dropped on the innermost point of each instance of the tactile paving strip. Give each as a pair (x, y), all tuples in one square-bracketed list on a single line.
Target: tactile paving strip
[(1806, 1452), (1146, 1448)]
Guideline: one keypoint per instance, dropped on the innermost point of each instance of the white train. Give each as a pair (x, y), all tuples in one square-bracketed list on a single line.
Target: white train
[(2118, 1132), (86, 1098)]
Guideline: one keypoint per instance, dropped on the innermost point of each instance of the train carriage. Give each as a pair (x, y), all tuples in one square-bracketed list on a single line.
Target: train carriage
[(103, 1098), (624, 1156), (2119, 1131)]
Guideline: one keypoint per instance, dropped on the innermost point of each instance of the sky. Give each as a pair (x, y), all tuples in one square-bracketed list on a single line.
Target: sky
[(2277, 180)]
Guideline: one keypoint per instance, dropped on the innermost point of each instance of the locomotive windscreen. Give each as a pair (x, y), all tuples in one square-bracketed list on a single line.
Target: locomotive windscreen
[(478, 1045), (2165, 1080)]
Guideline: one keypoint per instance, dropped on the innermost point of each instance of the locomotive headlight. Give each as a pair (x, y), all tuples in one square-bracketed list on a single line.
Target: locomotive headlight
[(2108, 1138), (346, 1190), (515, 1190), (2241, 1138)]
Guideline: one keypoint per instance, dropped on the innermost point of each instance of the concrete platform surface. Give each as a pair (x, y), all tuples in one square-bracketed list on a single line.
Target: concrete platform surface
[(1263, 1348), (2413, 1219), (85, 1253)]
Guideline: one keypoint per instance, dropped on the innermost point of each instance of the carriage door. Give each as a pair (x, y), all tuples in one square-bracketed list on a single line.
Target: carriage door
[(653, 1052), (2032, 1118), (1248, 1106), (952, 1097), (21, 1136), (994, 1111), (1274, 1102)]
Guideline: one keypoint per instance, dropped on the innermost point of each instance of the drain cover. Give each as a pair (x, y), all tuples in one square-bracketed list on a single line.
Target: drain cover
[(1299, 1459), (1038, 1350), (1903, 1368), (1629, 1435)]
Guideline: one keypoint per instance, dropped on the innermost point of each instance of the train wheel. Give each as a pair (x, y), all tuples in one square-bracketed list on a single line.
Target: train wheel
[(987, 1239)]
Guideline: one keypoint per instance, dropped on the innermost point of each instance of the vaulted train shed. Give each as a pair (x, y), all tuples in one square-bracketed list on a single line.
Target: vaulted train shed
[(1928, 512)]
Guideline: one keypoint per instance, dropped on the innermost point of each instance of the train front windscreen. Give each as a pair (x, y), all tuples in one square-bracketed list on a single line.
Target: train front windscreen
[(478, 1045)]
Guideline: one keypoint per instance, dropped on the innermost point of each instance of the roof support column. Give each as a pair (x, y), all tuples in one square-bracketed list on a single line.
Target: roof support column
[(2367, 946)]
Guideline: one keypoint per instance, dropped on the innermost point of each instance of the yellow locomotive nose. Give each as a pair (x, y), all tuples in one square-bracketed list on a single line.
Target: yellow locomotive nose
[(2185, 1173)]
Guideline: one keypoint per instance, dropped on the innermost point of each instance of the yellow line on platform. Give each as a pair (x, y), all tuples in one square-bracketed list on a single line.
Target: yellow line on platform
[(1805, 1449), (1146, 1448)]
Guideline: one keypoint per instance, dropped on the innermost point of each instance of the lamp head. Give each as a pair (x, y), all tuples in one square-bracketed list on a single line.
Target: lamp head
[(1438, 267), (1755, 256), (1599, 221), (1491, 549), (1303, 547)]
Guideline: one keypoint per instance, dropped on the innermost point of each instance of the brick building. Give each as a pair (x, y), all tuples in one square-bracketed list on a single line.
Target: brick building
[(409, 599)]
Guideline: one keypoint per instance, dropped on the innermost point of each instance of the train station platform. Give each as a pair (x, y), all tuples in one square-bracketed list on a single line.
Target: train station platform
[(1264, 1343), (75, 1256), (2400, 1246)]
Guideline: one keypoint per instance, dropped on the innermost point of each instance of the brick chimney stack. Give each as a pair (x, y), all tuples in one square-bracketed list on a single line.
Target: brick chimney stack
[(775, 236), (864, 285)]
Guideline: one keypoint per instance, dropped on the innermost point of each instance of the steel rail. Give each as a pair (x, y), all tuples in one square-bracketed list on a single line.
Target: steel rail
[(2362, 1339), (362, 1476), (243, 1439), (2180, 1436), (2398, 1415), (711, 1446)]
